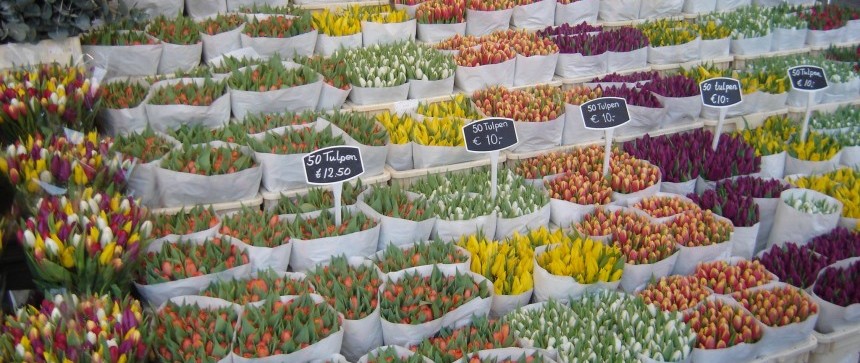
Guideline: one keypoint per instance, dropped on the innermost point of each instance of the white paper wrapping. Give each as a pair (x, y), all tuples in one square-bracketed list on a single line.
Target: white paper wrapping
[(744, 241), (293, 99), (689, 257), (535, 136), (410, 9), (636, 276), (680, 110), (642, 120), (141, 181), (397, 231), (432, 156), (297, 45), (850, 156), (264, 258), (385, 33), (327, 45), (125, 60), (535, 69), (680, 53), (479, 23), (773, 166), (682, 188), (841, 91), (412, 334), (787, 39), (511, 354), (419, 89), (125, 120), (619, 10), (780, 339), (792, 225), (504, 304), (851, 31), (218, 44), (401, 352), (448, 230), (577, 12), (832, 317), (817, 38), (561, 288), (154, 8), (537, 15), (800, 98), (471, 79), (766, 211), (506, 227), (715, 48), (190, 189), (371, 95), (752, 46), (660, 8), (400, 156), (725, 5), (167, 117), (434, 33), (308, 253), (699, 6), (767, 102), (460, 266), (331, 97), (574, 128), (578, 65), (235, 5), (204, 8), (175, 57), (158, 294), (796, 166), (620, 61)]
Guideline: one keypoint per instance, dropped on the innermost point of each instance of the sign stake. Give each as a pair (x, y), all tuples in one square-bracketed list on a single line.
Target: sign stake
[(491, 135), (607, 152), (807, 79), (494, 176), (337, 191), (805, 129), (719, 130), (721, 93)]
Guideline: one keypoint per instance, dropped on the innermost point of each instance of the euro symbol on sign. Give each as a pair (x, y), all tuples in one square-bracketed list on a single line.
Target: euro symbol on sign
[(593, 118), (476, 141), (714, 98)]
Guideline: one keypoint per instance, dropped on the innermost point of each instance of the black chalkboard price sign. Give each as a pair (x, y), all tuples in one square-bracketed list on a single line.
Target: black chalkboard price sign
[(604, 113), (721, 92), (807, 78), (333, 164), (490, 134)]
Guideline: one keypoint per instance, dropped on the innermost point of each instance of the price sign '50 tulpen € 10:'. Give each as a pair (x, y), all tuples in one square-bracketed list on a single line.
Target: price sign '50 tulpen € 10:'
[(605, 113), (333, 164), (490, 134), (721, 92)]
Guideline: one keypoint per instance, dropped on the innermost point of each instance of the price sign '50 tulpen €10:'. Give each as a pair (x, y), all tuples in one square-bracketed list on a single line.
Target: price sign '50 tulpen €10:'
[(333, 164), (490, 134), (721, 92), (605, 113)]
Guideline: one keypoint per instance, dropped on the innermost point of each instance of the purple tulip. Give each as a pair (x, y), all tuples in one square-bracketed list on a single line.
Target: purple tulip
[(838, 285), (793, 264), (629, 78), (839, 244), (753, 187), (742, 211)]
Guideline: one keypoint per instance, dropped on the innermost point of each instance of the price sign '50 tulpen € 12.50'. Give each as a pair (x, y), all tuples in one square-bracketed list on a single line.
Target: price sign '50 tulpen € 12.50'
[(333, 164)]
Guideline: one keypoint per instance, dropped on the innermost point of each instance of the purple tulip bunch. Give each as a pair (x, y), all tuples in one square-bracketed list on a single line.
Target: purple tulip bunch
[(629, 78), (793, 264), (662, 151), (732, 157), (567, 30), (839, 244), (838, 285), (673, 86), (624, 39), (742, 211), (585, 44), (634, 95), (752, 187)]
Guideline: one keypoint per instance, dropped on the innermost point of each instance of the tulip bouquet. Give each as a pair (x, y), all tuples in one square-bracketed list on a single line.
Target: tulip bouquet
[(277, 26), (747, 22), (207, 160), (539, 104), (490, 5), (255, 228), (719, 325), (842, 117), (399, 126), (191, 333), (824, 17), (584, 260), (112, 35), (394, 258), (633, 95), (73, 328), (662, 206), (741, 210), (122, 94), (584, 43), (318, 198), (389, 354), (260, 123), (809, 206), (662, 151), (580, 94), (771, 138), (405, 301), (144, 146), (725, 278), (848, 54), (566, 29), (459, 42), (444, 131), (752, 187), (429, 64), (335, 24), (377, 66), (230, 64), (463, 206), (836, 284), (577, 161), (698, 229), (181, 260), (709, 29), (841, 184), (351, 289), (524, 43), (486, 54), (817, 147), (839, 244), (837, 72), (271, 76), (221, 23), (667, 32), (635, 77), (395, 202), (267, 284), (639, 240), (333, 69), (202, 134), (516, 198), (624, 39), (378, 13), (279, 327), (673, 86), (295, 141), (46, 98), (604, 222), (732, 157), (359, 126), (90, 241), (451, 344), (585, 189), (188, 93), (441, 12), (179, 30), (184, 222), (793, 264), (526, 357), (550, 327), (675, 293), (324, 225), (458, 106), (778, 306)]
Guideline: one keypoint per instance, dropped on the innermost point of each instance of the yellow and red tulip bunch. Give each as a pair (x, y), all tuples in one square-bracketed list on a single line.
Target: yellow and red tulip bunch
[(490, 5), (538, 104), (524, 43), (265, 285), (449, 344), (587, 189), (675, 293), (580, 94), (584, 259), (89, 242), (417, 299), (665, 206), (698, 229), (639, 240), (256, 228), (351, 289), (181, 260), (441, 12), (191, 333), (48, 96), (719, 325), (459, 42), (76, 328), (488, 53), (778, 306), (725, 278)]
